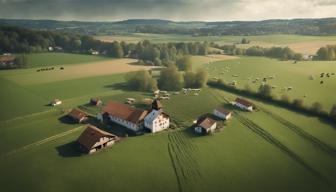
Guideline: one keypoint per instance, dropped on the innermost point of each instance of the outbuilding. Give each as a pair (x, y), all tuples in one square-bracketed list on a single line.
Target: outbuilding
[(222, 113), (205, 125), (78, 116), (243, 104), (94, 139), (55, 102), (95, 101)]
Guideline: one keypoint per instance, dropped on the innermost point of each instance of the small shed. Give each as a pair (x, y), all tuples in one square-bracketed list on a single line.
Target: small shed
[(244, 104), (222, 113), (55, 102), (96, 101), (94, 139), (78, 116), (205, 125)]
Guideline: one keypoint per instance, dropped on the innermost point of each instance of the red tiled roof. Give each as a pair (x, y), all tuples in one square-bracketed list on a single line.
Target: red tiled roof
[(244, 102), (77, 114), (206, 123), (223, 111), (92, 135), (125, 112)]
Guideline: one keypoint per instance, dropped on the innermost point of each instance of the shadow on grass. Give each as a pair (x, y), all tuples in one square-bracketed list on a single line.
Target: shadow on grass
[(66, 120), (69, 150)]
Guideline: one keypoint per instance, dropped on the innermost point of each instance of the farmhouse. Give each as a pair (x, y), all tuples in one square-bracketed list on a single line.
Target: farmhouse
[(205, 125), (243, 104), (94, 139), (55, 102), (222, 113), (156, 120), (78, 116), (95, 101), (124, 115)]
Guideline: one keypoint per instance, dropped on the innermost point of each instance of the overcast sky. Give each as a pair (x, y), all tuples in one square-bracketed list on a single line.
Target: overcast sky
[(178, 10)]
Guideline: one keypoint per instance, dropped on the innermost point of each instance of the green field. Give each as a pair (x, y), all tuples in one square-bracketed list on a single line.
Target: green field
[(272, 149), (50, 59)]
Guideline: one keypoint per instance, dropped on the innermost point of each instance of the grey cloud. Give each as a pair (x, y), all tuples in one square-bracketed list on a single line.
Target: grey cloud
[(165, 9)]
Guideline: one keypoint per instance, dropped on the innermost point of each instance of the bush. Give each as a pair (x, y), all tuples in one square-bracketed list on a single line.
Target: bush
[(170, 79), (185, 63), (317, 107)]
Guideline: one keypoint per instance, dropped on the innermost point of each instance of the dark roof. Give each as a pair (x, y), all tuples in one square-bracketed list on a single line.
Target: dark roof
[(156, 104), (206, 122), (92, 135), (223, 111), (125, 112), (244, 102), (77, 114)]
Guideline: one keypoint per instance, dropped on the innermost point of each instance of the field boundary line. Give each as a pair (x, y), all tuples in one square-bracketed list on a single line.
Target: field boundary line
[(43, 141)]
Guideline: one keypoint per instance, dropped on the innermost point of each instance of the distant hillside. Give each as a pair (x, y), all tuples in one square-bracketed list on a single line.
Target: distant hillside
[(326, 26)]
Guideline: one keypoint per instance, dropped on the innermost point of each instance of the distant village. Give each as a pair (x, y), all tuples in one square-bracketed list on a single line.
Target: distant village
[(136, 120)]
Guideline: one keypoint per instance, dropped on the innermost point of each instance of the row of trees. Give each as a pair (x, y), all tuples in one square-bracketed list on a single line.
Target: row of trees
[(283, 53), (265, 92), (327, 53)]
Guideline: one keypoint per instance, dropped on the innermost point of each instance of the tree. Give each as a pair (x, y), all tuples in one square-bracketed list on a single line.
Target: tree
[(322, 54), (265, 90), (201, 78), (285, 98), (170, 79), (141, 81), (298, 103), (116, 50), (245, 41), (185, 63), (332, 113), (317, 107), (21, 61), (189, 79)]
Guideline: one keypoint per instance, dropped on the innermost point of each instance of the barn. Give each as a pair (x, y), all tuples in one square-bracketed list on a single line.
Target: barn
[(78, 116), (222, 113), (244, 104), (94, 139), (124, 115), (205, 125)]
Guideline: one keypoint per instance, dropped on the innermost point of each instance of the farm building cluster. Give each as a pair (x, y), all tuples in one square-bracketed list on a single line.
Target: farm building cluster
[(207, 124), (139, 120)]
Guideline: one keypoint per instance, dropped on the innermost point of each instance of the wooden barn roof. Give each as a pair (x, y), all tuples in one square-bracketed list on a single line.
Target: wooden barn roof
[(223, 111), (244, 102), (92, 135), (77, 114), (125, 112), (206, 123)]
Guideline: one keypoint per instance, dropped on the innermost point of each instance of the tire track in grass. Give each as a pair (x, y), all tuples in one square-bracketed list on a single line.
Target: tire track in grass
[(181, 152), (272, 140), (43, 141), (299, 131)]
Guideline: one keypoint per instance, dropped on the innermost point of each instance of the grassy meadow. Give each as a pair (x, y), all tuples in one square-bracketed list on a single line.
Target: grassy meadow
[(272, 149)]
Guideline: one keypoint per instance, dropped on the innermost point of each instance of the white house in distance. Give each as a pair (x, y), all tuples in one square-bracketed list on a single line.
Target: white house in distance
[(222, 113), (125, 115), (205, 125), (156, 120), (243, 104)]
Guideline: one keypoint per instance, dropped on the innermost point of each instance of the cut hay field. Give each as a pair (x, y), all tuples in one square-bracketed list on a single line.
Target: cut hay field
[(75, 71), (272, 149), (299, 43)]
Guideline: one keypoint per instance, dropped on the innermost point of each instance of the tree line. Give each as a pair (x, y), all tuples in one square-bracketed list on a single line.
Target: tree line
[(282, 53), (19, 40), (265, 93)]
